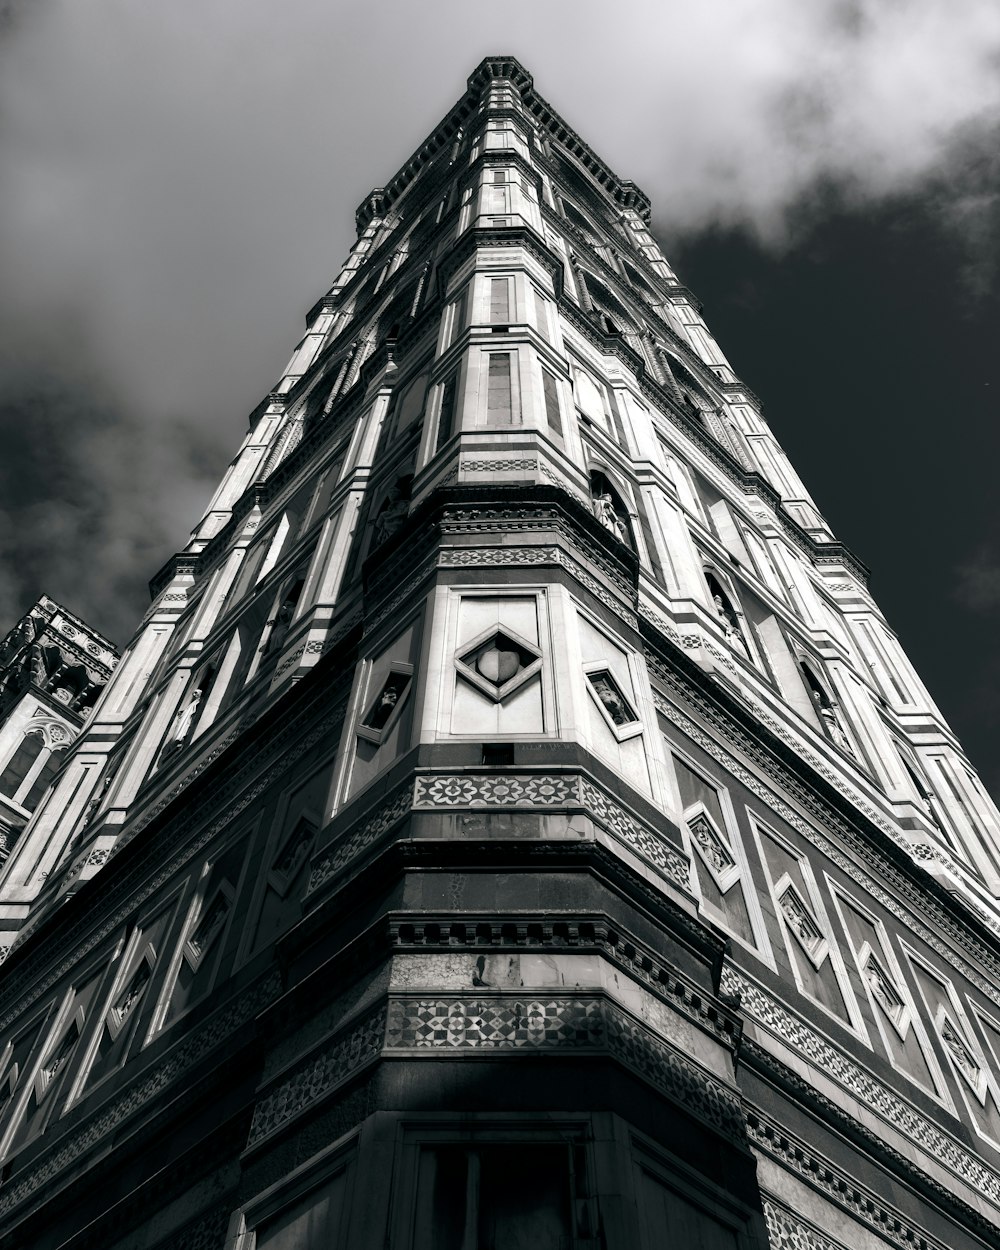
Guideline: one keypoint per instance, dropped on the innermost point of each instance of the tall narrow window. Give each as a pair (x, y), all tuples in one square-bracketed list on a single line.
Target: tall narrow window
[(459, 314), (42, 782), (20, 763), (446, 421), (498, 395), (499, 1195), (550, 390), (499, 301)]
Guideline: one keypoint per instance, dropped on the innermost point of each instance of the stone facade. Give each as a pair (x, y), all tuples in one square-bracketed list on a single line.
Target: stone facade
[(513, 822)]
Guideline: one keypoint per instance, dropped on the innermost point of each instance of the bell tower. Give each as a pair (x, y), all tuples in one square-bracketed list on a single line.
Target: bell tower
[(513, 821)]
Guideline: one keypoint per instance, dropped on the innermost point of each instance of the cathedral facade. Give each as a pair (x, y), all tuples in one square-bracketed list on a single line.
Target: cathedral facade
[(513, 823)]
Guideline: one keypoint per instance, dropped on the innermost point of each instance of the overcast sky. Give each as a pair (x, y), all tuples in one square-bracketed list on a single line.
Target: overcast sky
[(178, 183)]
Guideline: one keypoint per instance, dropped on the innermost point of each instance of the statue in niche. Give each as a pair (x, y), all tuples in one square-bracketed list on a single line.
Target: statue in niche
[(604, 510), (133, 992), (702, 834), (612, 702), (96, 801), (730, 620), (827, 712), (877, 982), (383, 709), (958, 1050), (391, 516), (180, 731), (281, 626), (33, 665), (26, 632), (799, 921)]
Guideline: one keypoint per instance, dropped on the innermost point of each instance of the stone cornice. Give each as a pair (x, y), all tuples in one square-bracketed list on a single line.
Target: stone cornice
[(499, 236), (758, 1059)]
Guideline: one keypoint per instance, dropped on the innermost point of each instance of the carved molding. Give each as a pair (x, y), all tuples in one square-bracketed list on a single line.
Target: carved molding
[(837, 1186), (359, 837), (489, 790), (788, 1231), (641, 963), (342, 1058), (872, 1094), (526, 1024), (589, 1023)]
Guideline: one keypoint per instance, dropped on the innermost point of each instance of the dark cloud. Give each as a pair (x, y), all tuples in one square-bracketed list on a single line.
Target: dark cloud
[(977, 584), (178, 184)]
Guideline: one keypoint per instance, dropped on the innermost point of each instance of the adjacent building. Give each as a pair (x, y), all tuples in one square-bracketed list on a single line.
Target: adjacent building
[(514, 822)]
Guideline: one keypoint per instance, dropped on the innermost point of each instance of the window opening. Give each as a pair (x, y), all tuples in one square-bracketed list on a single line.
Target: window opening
[(826, 709), (499, 301), (550, 393), (393, 512), (498, 396), (476, 1198), (728, 615), (446, 420)]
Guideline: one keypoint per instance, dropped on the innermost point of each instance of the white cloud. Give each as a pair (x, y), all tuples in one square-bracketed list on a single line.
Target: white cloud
[(179, 180)]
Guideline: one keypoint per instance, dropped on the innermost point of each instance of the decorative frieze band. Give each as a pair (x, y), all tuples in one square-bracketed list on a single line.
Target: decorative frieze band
[(884, 1101), (471, 791), (787, 1231), (320, 1074), (840, 1188), (585, 1024)]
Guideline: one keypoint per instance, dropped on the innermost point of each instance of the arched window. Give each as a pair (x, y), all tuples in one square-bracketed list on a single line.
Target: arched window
[(32, 768), (730, 617), (827, 709), (618, 319), (19, 765), (576, 218), (392, 512)]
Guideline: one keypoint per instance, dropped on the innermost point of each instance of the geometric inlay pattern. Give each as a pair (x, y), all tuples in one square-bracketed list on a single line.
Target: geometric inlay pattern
[(589, 1023), (358, 839), (319, 1075), (484, 790), (496, 1023), (786, 1231), (512, 1024), (499, 662)]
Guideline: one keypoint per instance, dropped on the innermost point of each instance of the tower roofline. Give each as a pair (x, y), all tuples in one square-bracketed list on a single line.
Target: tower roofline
[(622, 190)]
